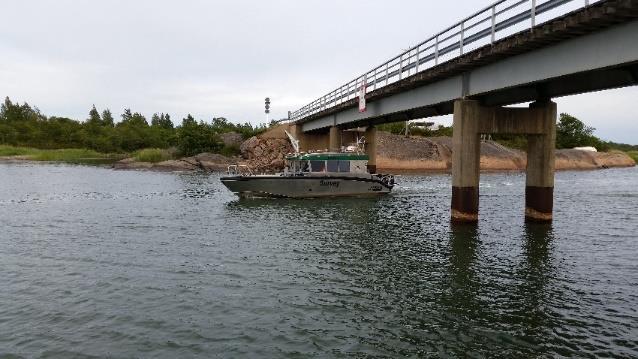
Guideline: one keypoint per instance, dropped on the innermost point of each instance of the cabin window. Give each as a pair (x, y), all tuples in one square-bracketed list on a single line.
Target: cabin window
[(333, 166), (344, 166), (318, 166)]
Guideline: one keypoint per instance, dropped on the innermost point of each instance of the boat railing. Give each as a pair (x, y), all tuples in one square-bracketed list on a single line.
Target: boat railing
[(240, 170), (387, 179)]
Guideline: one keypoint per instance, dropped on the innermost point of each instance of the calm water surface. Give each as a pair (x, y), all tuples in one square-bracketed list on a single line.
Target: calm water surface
[(101, 263)]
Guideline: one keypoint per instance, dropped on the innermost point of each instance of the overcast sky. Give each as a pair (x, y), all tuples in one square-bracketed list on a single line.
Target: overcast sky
[(221, 58)]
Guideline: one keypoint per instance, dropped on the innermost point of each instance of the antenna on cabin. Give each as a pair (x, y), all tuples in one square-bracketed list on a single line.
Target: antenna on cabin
[(293, 141)]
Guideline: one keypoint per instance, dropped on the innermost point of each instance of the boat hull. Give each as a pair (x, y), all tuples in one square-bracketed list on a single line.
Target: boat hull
[(305, 187)]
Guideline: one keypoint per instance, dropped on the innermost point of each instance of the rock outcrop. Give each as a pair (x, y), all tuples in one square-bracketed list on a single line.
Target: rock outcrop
[(265, 155), (398, 153), (202, 161)]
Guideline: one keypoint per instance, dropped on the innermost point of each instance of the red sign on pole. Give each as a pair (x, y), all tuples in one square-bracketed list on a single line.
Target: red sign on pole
[(362, 97)]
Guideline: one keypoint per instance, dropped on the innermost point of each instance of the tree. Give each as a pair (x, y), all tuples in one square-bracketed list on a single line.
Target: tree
[(133, 119), (107, 118), (194, 138), (94, 117), (167, 121), (162, 121), (188, 121), (571, 132)]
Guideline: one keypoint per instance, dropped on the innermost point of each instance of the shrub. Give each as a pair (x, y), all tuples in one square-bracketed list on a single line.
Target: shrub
[(152, 155), (230, 151)]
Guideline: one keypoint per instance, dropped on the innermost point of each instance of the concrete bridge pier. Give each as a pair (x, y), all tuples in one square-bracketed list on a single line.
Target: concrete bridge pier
[(539, 187), (371, 148), (335, 139), (466, 160), (470, 121), (297, 132)]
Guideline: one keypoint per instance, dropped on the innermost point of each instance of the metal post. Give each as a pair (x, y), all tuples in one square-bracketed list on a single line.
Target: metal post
[(365, 83), (401, 67), (462, 36), (374, 87), (386, 74), (493, 23), (533, 13), (417, 60), (436, 51)]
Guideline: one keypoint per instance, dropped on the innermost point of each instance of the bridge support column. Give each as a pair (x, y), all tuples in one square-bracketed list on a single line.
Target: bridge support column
[(371, 148), (335, 139), (466, 150), (539, 189), (537, 122), (297, 133)]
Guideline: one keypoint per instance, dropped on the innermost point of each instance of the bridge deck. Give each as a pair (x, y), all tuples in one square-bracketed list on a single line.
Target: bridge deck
[(591, 20)]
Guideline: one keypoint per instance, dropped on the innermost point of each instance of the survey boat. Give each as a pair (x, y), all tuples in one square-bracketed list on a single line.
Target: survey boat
[(312, 175)]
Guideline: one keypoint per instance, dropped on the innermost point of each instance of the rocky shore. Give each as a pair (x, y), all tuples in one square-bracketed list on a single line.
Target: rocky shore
[(266, 154), (399, 153), (202, 161)]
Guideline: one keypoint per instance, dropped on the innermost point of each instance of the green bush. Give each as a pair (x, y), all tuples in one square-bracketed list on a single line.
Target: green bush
[(152, 155), (230, 151), (518, 142), (634, 155)]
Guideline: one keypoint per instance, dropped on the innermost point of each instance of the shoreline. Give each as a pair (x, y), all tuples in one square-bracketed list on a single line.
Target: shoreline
[(193, 164), (266, 154)]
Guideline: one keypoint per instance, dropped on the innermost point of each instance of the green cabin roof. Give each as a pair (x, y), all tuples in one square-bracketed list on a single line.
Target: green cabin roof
[(330, 156)]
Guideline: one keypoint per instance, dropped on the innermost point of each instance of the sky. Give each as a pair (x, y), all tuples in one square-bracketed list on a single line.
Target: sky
[(222, 58)]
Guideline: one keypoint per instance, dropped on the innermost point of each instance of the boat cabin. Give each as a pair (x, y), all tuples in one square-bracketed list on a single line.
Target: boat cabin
[(327, 162)]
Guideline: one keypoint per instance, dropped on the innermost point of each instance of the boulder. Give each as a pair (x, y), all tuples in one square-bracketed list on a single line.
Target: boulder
[(248, 146), (214, 161), (202, 161), (174, 166), (131, 164), (265, 155)]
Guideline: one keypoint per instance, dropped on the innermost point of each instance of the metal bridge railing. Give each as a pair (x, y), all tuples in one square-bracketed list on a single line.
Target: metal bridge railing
[(495, 22)]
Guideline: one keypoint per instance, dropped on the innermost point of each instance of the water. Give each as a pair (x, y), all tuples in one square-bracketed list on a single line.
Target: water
[(101, 263)]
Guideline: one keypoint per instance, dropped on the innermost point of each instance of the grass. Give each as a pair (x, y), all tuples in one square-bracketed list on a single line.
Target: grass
[(16, 151), (633, 154), (71, 155), (153, 155)]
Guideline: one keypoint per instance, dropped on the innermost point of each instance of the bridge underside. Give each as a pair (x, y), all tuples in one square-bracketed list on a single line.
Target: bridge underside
[(589, 50), (590, 59)]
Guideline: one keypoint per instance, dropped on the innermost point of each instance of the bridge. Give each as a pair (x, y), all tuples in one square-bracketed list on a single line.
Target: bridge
[(511, 52)]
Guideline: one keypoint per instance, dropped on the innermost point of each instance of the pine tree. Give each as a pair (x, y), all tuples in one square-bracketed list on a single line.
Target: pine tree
[(107, 118), (94, 117), (126, 116), (155, 120)]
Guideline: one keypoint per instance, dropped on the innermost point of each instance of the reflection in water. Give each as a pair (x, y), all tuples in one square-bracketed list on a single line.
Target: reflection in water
[(532, 301)]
